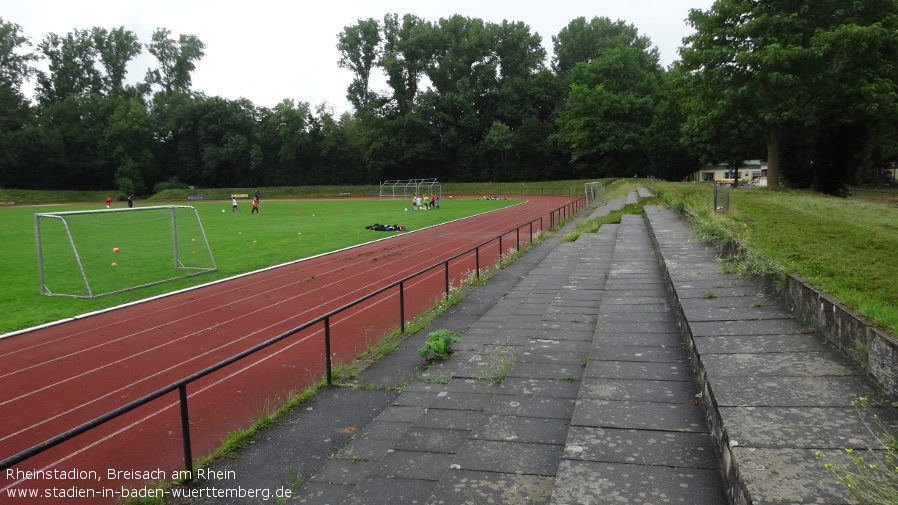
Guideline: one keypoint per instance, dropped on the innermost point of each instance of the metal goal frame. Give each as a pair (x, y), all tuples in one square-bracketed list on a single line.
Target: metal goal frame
[(61, 216)]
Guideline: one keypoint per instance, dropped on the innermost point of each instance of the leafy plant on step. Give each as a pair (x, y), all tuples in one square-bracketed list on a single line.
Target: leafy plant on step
[(438, 345)]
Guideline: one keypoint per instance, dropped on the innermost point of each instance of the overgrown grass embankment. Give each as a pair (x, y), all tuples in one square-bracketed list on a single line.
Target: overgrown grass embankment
[(845, 247)]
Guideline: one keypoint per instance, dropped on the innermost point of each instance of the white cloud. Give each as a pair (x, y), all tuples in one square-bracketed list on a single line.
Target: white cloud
[(269, 50)]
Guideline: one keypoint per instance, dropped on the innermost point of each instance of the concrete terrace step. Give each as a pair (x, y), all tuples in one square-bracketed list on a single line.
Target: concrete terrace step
[(454, 437), (775, 391), (638, 433)]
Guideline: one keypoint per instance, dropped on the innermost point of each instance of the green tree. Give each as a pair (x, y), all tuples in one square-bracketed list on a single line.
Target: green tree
[(792, 68), (359, 47), (72, 65), (610, 106), (406, 54), (284, 138), (15, 67), (127, 144), (581, 42), (15, 62), (116, 48), (176, 58)]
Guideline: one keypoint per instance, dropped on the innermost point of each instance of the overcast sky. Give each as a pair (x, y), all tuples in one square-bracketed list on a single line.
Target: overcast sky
[(269, 50)]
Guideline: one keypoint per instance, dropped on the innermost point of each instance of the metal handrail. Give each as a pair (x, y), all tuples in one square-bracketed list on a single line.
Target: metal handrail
[(181, 385)]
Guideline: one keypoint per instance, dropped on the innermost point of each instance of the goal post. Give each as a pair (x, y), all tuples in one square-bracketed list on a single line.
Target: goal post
[(594, 191), (92, 253)]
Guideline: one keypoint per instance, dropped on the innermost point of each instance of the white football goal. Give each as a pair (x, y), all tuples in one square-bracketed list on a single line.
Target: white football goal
[(594, 191), (91, 253)]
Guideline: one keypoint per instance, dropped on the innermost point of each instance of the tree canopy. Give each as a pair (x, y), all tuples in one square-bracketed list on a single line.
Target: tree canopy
[(808, 86)]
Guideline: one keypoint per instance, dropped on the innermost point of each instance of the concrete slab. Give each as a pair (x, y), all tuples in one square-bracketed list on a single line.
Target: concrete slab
[(523, 429), (801, 427), (390, 490), (641, 447), (450, 419), (554, 371), (783, 364), (640, 390), (670, 354), (638, 370), (641, 339), (462, 487), (685, 417), (701, 328), (509, 457), (594, 483), (521, 386), (788, 476), (760, 344), (836, 391), (323, 493), (532, 406), (418, 439)]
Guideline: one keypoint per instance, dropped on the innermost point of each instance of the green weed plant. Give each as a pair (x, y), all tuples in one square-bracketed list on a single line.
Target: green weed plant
[(438, 345)]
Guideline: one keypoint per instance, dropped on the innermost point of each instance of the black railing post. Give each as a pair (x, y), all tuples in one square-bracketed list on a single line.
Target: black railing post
[(327, 348), (185, 428), (477, 262), (517, 233), (500, 247), (402, 307), (447, 279)]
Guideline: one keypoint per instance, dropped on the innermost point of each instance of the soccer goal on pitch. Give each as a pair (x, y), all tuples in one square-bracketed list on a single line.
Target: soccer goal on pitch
[(595, 192), (406, 188), (92, 253)]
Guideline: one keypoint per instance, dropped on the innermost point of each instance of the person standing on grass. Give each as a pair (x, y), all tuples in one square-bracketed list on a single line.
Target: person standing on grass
[(130, 201), (234, 204), (108, 202), (255, 205), (256, 195)]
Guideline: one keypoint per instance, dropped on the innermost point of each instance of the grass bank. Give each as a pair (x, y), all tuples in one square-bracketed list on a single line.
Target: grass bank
[(844, 246)]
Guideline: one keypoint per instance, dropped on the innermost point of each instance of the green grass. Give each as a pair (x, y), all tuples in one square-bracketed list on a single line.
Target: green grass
[(845, 247), (285, 230)]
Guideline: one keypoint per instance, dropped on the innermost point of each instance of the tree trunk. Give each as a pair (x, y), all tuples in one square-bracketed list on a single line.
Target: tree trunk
[(773, 156)]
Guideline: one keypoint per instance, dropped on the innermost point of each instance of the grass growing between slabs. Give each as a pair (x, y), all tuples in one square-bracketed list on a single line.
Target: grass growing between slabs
[(845, 247), (284, 231)]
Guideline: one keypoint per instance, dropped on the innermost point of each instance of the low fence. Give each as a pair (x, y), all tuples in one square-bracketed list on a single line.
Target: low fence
[(555, 217)]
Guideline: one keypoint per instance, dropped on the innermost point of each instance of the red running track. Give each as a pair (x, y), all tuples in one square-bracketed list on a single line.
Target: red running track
[(59, 377)]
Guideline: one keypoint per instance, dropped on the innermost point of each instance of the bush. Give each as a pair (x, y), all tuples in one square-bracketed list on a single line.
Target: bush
[(438, 345), (172, 183)]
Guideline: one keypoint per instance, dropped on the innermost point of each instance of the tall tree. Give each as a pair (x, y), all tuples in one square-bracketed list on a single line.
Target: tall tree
[(610, 106), (581, 41), (15, 64), (359, 47), (116, 49), (406, 53), (176, 58), (15, 67), (792, 67), (73, 68)]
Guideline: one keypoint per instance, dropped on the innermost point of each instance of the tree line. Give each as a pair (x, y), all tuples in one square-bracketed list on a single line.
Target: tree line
[(808, 86)]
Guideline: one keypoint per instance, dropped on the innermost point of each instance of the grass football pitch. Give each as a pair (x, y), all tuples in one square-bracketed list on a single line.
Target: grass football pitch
[(283, 231)]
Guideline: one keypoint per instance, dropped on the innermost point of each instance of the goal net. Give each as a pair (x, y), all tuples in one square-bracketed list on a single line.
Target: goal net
[(86, 254), (595, 192)]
